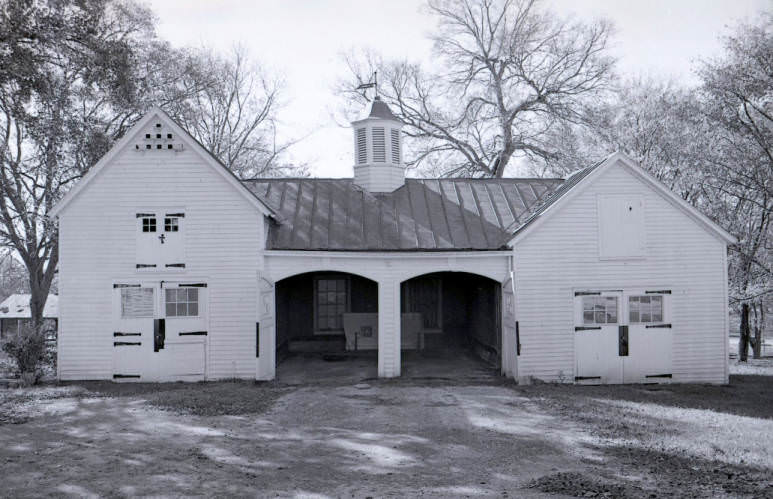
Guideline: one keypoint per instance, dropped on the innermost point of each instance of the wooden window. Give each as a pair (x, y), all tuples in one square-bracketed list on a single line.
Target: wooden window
[(136, 302), (331, 300), (599, 310), (149, 224), (645, 309), (395, 146), (182, 302), (424, 295), (362, 146), (171, 224), (379, 145)]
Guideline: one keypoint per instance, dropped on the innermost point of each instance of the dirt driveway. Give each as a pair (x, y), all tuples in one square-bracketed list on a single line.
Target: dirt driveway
[(382, 438)]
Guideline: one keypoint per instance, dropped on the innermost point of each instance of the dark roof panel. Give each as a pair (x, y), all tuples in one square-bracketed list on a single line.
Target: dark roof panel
[(422, 215)]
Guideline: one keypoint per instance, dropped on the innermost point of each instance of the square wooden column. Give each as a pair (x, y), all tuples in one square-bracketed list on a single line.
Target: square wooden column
[(388, 328)]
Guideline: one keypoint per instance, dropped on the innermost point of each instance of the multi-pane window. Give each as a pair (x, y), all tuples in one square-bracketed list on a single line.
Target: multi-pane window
[(331, 299), (379, 145), (148, 224), (599, 309), (171, 224), (645, 309), (182, 302), (136, 302), (424, 295), (362, 146)]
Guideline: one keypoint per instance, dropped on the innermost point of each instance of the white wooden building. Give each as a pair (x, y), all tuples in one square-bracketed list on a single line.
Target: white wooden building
[(171, 268)]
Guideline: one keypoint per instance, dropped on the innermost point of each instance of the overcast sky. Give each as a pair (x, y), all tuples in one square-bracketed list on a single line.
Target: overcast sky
[(303, 41)]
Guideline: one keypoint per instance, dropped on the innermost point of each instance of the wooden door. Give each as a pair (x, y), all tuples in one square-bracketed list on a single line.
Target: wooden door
[(597, 337), (134, 311), (650, 342), (265, 329), (510, 340), (181, 355)]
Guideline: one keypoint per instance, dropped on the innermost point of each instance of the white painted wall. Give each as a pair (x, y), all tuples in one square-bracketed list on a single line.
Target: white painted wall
[(562, 255), (224, 235), (388, 270)]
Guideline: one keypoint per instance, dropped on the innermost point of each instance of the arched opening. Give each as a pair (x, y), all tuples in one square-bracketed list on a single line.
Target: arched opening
[(451, 322), (326, 325)]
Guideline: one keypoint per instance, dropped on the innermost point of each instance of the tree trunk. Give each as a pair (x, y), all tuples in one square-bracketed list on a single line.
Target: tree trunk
[(758, 324), (743, 341)]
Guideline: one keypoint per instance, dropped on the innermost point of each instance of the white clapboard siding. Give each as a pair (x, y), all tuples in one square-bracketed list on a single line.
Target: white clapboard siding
[(562, 255), (223, 239)]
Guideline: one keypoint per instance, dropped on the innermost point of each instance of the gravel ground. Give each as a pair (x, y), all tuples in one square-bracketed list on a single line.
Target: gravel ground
[(388, 438), (667, 440)]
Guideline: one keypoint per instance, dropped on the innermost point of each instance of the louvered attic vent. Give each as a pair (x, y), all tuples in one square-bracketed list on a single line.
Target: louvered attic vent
[(379, 147), (395, 146), (362, 146), (158, 140)]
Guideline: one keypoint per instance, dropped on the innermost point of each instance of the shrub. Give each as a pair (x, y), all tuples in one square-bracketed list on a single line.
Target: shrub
[(28, 351)]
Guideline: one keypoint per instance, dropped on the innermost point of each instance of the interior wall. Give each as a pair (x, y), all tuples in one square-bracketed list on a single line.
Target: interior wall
[(295, 303), (470, 312)]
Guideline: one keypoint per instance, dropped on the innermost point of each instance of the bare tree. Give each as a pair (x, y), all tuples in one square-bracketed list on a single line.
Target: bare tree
[(76, 75), (507, 72), (712, 145), (234, 112), (13, 275), (738, 100)]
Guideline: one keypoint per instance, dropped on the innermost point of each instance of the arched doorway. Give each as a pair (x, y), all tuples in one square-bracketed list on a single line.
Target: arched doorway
[(326, 325), (450, 321)]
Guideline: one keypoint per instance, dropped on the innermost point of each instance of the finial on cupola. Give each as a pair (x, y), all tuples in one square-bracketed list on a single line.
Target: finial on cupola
[(378, 165)]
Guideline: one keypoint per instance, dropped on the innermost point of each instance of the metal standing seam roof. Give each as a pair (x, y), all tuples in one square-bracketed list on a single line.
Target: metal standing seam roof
[(423, 215), (572, 180)]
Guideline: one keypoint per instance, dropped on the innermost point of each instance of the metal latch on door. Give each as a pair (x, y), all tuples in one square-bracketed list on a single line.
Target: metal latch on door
[(159, 334), (622, 341)]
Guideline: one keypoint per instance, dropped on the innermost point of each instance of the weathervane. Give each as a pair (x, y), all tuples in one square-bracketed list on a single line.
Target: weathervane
[(373, 84)]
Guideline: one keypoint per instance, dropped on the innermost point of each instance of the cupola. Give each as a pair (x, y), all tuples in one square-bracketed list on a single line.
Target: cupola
[(378, 164)]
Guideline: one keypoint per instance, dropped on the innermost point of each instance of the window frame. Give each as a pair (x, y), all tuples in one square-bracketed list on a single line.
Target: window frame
[(606, 298), (171, 224), (128, 290), (187, 302), (410, 300), (152, 222), (649, 296), (347, 305)]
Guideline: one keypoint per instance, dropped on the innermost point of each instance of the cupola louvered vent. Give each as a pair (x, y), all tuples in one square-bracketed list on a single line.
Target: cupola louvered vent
[(379, 146), (378, 164), (395, 146), (362, 146)]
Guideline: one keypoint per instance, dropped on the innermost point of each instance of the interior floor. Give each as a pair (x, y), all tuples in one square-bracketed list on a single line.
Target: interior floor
[(451, 363)]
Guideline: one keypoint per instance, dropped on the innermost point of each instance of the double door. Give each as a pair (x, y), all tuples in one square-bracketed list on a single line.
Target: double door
[(623, 336), (159, 331)]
